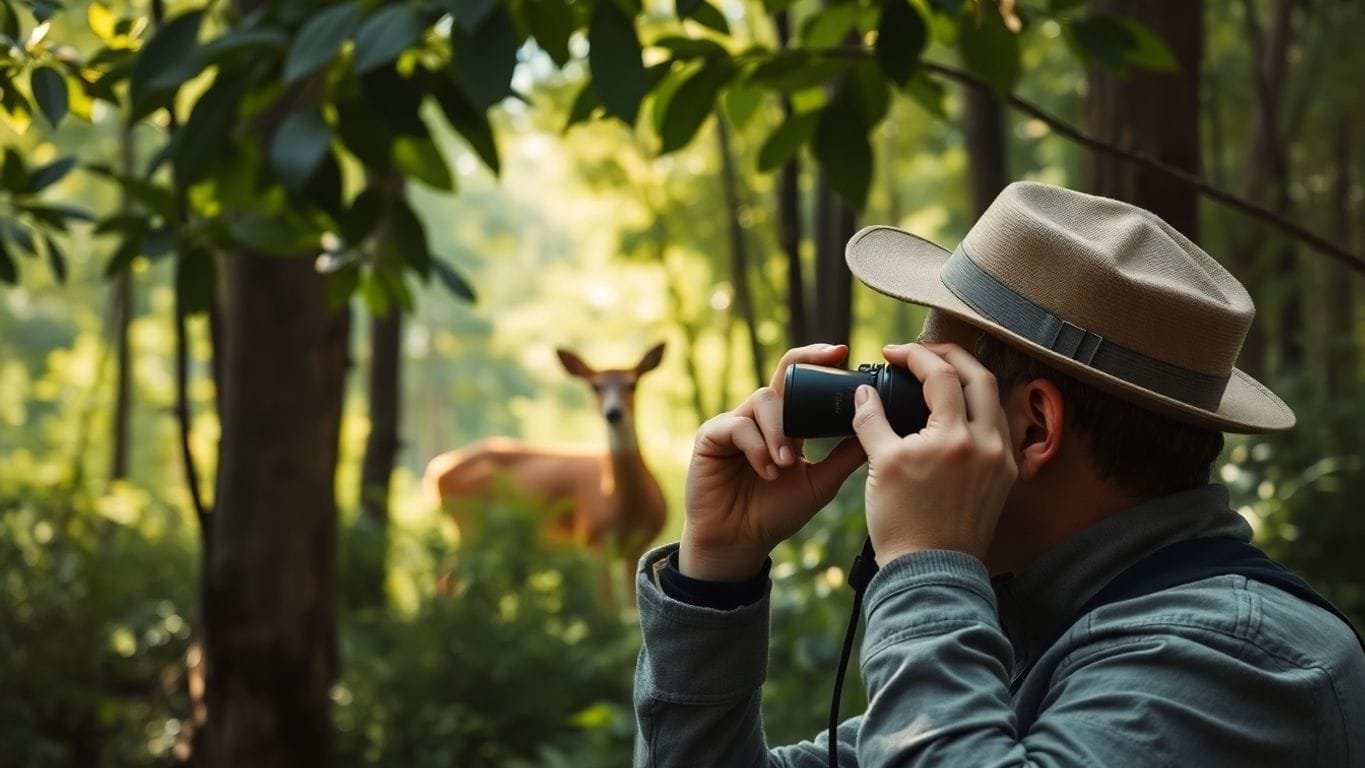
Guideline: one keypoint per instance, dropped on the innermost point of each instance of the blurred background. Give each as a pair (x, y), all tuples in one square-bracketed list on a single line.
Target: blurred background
[(261, 262)]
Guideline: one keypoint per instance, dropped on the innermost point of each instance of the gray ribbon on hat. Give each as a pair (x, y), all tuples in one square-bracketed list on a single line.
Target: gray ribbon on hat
[(998, 302)]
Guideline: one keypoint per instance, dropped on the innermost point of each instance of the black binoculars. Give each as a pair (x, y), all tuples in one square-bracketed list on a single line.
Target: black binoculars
[(818, 401)]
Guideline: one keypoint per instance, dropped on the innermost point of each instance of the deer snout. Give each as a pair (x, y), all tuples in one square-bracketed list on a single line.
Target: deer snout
[(613, 414)]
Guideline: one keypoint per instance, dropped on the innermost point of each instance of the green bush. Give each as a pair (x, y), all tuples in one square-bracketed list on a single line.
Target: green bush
[(94, 595)]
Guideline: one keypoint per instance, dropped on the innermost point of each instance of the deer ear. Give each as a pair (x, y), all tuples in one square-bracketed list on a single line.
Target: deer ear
[(651, 360), (574, 365)]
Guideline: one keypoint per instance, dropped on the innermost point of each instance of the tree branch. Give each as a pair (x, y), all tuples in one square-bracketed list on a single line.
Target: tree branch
[(1318, 242)]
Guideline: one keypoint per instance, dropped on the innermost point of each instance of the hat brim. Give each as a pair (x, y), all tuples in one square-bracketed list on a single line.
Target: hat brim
[(906, 267)]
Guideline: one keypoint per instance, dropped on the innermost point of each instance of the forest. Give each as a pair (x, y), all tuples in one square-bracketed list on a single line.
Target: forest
[(262, 262)]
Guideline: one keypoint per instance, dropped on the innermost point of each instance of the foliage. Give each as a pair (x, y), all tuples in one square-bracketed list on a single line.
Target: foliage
[(96, 595)]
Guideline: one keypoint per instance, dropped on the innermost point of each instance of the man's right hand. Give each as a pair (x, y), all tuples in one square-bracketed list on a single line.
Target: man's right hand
[(749, 487)]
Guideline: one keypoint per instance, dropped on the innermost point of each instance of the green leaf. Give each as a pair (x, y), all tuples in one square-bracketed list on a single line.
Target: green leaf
[(158, 241), (385, 34), (454, 281), (156, 199), (123, 256), (901, 37), (471, 123), (785, 141), (709, 16), (842, 148), (14, 175), (741, 102), (320, 38), (1149, 51), (56, 260), (299, 146), (341, 284), (363, 216), (585, 105), (831, 25), (868, 90), (692, 103), (691, 47), (280, 234), (407, 237), (49, 90), (165, 62), (323, 189), (796, 70), (485, 58), (928, 93), (687, 7), (21, 236), (420, 159), (363, 134), (196, 275), (552, 23), (470, 13), (990, 50), (618, 74), (56, 215), (1102, 40), (8, 272), (198, 146), (239, 40), (47, 175)]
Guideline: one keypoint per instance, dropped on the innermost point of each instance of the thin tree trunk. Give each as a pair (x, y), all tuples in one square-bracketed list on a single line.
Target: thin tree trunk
[(739, 252), (987, 158), (381, 450), (834, 225), (123, 315), (269, 606), (789, 221), (1154, 113), (1343, 364)]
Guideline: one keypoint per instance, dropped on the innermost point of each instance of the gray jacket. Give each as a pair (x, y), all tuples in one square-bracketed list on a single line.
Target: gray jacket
[(1220, 672)]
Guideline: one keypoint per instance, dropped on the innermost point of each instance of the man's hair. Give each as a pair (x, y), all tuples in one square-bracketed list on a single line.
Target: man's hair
[(1143, 453)]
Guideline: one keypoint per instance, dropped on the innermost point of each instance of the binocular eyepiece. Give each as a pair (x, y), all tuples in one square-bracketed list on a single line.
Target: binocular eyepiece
[(818, 401)]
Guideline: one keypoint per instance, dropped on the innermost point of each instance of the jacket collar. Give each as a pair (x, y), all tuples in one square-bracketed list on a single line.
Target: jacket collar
[(1033, 602)]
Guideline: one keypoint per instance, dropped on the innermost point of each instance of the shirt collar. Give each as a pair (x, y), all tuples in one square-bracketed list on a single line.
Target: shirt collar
[(1034, 601)]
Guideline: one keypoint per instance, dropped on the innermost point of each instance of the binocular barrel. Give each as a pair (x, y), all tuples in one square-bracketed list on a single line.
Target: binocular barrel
[(817, 401)]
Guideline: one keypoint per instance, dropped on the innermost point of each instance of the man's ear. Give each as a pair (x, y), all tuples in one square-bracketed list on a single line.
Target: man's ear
[(574, 365), (651, 360), (1037, 417)]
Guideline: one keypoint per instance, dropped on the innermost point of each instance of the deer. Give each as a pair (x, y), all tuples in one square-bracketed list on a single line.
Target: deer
[(608, 502)]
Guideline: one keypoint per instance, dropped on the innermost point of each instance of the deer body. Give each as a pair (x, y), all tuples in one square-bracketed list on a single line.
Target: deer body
[(608, 501)]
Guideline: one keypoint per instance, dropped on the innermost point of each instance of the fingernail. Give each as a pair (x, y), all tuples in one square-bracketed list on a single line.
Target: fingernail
[(784, 455), (860, 396)]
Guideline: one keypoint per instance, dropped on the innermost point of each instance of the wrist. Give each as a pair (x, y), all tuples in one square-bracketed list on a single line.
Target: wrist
[(697, 560)]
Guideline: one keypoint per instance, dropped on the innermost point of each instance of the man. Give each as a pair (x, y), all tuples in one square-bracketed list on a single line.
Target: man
[(1073, 444)]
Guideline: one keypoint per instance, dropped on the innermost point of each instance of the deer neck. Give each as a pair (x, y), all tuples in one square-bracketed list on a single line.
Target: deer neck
[(631, 479)]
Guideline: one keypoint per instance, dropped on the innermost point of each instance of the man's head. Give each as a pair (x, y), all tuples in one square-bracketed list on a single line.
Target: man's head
[(1113, 339)]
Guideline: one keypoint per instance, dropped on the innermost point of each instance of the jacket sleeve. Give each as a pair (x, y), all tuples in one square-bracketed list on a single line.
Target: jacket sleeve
[(936, 666), (698, 686)]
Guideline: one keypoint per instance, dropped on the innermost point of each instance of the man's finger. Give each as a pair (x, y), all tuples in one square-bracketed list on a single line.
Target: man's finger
[(728, 434), (978, 384), (869, 421), (817, 354), (942, 384), (830, 472), (766, 406)]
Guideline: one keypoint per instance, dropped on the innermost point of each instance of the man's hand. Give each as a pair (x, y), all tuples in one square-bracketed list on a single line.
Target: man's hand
[(749, 487), (944, 486)]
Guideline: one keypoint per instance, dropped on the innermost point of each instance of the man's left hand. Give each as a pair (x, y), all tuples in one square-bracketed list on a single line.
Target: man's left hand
[(944, 486)]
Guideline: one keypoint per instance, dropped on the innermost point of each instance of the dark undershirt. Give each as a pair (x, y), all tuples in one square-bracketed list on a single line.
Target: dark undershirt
[(719, 595)]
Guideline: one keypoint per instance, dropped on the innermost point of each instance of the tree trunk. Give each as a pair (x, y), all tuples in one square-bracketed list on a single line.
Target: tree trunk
[(381, 450), (1154, 113), (123, 316), (1342, 360), (789, 221), (269, 579), (834, 226), (987, 159), (739, 253)]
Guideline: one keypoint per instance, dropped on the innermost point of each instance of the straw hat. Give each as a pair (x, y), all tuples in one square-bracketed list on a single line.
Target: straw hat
[(1096, 288)]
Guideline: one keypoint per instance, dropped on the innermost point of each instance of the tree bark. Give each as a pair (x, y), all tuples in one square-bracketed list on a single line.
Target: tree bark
[(834, 226), (381, 450), (269, 607), (987, 158), (1154, 113), (122, 319), (789, 221), (1343, 363), (739, 252)]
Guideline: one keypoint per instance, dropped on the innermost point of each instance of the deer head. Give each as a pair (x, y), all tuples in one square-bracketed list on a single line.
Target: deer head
[(614, 389)]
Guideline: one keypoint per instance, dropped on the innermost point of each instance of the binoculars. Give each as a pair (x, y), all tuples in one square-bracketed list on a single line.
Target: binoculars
[(818, 401)]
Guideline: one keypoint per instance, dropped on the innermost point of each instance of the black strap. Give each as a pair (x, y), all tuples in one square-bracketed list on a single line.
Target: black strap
[(981, 291), (1189, 561)]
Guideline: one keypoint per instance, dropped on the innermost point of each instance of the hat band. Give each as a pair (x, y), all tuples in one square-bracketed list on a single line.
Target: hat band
[(1018, 314)]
